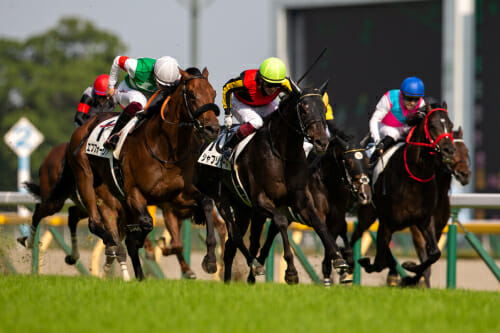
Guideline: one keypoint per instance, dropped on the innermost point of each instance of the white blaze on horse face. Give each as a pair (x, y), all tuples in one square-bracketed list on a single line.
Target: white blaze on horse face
[(444, 125)]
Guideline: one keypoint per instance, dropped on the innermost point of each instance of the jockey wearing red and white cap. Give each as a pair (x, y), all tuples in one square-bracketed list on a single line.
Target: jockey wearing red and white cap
[(94, 100)]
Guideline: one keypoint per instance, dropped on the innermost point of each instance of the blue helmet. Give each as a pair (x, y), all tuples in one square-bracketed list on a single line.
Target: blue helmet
[(412, 86)]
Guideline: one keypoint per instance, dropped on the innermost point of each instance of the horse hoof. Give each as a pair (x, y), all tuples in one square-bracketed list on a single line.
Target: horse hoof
[(257, 268), (392, 280), (70, 260), (327, 282), (251, 278), (292, 278), (345, 278), (23, 241), (410, 266), (364, 262), (340, 265), (209, 267), (189, 275)]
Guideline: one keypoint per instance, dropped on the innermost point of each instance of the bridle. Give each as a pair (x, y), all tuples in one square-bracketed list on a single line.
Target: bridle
[(363, 179), (193, 115), (433, 144), (303, 126)]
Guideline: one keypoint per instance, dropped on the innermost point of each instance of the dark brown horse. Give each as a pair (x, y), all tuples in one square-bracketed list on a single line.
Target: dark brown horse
[(157, 162), (461, 171), (272, 170), (56, 186), (406, 191), (338, 181)]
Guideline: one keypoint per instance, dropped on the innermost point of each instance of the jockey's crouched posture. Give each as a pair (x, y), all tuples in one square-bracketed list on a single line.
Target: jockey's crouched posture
[(144, 77), (387, 124), (94, 100)]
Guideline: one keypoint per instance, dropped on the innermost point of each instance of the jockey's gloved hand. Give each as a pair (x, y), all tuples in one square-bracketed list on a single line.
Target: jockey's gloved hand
[(228, 121)]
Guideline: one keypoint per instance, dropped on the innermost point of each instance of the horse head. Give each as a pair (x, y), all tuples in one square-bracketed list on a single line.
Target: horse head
[(355, 163), (311, 112), (460, 164), (199, 98), (433, 129)]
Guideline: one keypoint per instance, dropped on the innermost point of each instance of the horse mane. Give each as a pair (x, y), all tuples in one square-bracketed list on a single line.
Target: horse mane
[(193, 71)]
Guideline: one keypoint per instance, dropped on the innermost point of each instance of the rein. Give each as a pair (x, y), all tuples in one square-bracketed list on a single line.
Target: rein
[(433, 144), (301, 132), (192, 114)]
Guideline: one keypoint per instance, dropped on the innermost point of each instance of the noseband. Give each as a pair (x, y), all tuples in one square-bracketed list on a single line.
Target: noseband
[(193, 115), (363, 180)]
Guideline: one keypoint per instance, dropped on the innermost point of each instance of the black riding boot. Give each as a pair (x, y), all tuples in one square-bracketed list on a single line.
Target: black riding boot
[(122, 120), (382, 146)]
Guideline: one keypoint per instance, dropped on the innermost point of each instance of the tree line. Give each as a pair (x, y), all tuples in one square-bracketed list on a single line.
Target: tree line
[(43, 78)]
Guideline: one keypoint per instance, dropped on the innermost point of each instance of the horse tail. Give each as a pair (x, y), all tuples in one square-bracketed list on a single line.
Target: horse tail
[(65, 184), (33, 188)]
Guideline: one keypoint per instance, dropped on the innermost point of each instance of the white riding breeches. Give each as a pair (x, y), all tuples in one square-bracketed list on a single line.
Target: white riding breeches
[(126, 95), (396, 133), (251, 114)]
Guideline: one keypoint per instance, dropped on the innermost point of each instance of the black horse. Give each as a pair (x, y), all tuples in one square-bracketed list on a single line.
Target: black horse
[(271, 175), (406, 192), (338, 182)]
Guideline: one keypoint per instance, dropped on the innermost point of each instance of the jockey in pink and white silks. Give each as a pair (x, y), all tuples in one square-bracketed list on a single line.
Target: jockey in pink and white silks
[(387, 124)]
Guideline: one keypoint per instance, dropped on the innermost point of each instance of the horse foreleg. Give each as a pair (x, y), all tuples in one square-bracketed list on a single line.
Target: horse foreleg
[(383, 251), (209, 263), (432, 250), (74, 216), (173, 226), (133, 253)]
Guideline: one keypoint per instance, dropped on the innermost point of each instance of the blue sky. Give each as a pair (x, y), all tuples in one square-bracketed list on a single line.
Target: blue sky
[(233, 34)]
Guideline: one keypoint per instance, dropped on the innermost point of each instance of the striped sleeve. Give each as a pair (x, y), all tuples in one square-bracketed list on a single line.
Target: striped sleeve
[(230, 86)]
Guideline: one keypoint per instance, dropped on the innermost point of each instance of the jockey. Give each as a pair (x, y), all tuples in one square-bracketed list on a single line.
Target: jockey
[(387, 124), (330, 124), (94, 100), (255, 92), (144, 77)]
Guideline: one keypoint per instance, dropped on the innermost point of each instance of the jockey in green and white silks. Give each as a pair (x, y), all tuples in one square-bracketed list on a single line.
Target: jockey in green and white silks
[(144, 77)]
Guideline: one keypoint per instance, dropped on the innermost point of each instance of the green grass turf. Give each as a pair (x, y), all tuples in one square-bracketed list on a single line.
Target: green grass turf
[(84, 304)]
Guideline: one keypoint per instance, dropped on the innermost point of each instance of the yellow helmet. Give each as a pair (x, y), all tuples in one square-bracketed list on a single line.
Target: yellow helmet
[(273, 70)]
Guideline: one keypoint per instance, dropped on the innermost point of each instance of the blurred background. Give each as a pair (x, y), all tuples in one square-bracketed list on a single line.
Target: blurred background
[(51, 50)]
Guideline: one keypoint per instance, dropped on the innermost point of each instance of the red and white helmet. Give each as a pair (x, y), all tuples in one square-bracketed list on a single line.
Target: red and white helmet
[(166, 70), (101, 84)]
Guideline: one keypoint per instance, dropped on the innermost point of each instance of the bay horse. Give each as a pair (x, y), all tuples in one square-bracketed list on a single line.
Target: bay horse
[(157, 163), (272, 170), (462, 173), (406, 191), (57, 184)]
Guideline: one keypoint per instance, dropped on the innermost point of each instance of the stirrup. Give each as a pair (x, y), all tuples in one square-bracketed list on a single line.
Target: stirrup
[(111, 142)]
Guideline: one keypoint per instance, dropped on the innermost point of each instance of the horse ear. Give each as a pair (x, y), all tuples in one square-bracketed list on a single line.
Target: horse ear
[(343, 143), (295, 87), (184, 74), (428, 107), (445, 106), (205, 72), (460, 132), (322, 89)]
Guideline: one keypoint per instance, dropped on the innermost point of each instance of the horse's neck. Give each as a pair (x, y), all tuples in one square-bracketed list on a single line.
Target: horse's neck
[(291, 148), (168, 136)]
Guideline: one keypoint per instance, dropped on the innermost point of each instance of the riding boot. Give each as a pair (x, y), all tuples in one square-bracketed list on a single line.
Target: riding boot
[(113, 138), (243, 131), (381, 147)]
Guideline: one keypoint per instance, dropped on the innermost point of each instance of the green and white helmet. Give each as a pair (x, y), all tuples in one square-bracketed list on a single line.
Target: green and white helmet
[(273, 70)]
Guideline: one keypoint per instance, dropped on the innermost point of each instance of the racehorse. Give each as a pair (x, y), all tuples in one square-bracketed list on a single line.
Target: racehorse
[(271, 172), (461, 171), (406, 191), (340, 182), (56, 186), (157, 163)]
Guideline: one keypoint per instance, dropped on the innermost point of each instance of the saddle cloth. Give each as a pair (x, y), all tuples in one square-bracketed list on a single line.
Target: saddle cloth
[(382, 162), (99, 135)]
